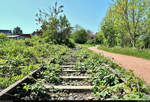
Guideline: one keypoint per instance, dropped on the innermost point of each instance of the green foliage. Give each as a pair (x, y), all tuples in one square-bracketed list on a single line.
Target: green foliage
[(80, 36), (107, 85), (51, 74), (109, 33), (20, 57), (3, 37), (38, 91), (55, 25), (147, 41), (100, 38), (17, 31), (126, 22)]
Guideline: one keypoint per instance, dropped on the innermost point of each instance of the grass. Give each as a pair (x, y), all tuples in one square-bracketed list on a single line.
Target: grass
[(85, 45), (128, 51)]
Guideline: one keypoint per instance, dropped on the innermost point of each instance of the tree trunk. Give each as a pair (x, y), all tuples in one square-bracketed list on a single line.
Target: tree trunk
[(133, 43)]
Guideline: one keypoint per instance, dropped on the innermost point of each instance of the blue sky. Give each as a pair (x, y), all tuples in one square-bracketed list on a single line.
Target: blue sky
[(87, 13)]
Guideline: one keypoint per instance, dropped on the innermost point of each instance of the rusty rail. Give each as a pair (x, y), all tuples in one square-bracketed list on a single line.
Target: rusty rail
[(3, 92)]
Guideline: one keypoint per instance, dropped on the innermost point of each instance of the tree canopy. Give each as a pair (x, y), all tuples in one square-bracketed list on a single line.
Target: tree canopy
[(17, 31), (80, 36), (127, 23)]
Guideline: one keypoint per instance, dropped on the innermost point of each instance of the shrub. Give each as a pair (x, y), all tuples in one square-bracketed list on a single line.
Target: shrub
[(80, 36), (92, 41), (3, 37)]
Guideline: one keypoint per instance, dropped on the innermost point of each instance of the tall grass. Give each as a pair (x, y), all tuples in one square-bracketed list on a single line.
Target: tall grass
[(85, 45), (144, 53)]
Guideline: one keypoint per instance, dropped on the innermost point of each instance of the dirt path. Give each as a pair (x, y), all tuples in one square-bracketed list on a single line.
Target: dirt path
[(141, 67)]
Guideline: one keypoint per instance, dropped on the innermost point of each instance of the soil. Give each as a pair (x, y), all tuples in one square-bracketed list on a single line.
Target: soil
[(140, 66)]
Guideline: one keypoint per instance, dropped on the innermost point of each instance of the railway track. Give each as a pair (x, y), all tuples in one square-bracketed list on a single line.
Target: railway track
[(6, 93), (74, 84)]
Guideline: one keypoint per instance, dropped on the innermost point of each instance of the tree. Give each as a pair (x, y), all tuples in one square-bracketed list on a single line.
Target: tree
[(89, 32), (128, 20), (131, 13), (109, 33), (17, 31), (65, 28), (80, 36), (100, 38), (76, 28), (55, 25), (146, 30)]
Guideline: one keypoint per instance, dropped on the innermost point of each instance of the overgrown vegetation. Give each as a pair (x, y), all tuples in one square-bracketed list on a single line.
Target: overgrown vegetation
[(121, 85), (19, 57), (108, 85)]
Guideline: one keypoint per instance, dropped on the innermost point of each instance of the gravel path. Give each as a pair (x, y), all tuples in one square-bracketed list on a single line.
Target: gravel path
[(140, 66)]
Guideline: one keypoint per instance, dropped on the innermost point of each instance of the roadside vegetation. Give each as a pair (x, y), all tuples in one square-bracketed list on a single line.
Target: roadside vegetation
[(141, 53), (85, 45)]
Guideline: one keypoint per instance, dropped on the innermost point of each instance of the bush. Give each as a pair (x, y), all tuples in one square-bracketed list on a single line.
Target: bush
[(69, 43), (80, 36), (92, 41), (3, 37)]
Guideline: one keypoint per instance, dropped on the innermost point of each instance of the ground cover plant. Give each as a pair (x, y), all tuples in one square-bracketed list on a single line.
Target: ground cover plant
[(50, 75), (109, 85), (20, 57)]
